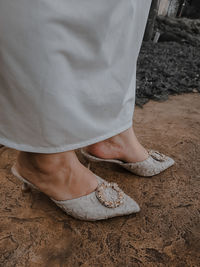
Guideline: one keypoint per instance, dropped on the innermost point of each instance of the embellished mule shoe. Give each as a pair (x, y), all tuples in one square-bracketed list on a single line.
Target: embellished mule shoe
[(154, 164), (107, 201)]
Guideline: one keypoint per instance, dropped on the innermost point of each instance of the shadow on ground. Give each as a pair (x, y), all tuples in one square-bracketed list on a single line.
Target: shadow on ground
[(34, 232)]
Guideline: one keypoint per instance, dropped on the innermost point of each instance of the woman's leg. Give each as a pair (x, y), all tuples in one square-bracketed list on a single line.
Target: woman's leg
[(124, 146), (60, 176)]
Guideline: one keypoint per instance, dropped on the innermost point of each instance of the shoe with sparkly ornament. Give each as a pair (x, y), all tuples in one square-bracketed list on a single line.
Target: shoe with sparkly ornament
[(107, 201), (154, 164)]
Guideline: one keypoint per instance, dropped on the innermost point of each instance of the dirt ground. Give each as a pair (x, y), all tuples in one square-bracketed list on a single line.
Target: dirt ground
[(34, 232)]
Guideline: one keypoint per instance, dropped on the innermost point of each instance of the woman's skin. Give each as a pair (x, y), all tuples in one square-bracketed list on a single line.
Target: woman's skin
[(62, 176)]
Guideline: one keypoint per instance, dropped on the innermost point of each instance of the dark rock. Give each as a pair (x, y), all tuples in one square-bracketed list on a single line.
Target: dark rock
[(171, 66), (192, 9)]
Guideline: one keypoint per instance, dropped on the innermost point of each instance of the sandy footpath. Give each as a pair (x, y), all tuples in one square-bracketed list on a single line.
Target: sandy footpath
[(34, 232)]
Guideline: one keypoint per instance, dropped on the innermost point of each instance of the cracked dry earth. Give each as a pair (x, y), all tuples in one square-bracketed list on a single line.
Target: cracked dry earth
[(34, 232)]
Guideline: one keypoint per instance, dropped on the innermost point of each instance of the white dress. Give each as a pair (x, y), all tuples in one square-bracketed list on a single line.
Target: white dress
[(67, 71)]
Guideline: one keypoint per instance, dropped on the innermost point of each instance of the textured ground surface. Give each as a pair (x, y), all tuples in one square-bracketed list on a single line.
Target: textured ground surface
[(34, 232)]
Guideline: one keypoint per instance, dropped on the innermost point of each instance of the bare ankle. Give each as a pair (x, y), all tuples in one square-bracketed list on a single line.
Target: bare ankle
[(123, 146), (45, 163), (108, 148), (60, 175)]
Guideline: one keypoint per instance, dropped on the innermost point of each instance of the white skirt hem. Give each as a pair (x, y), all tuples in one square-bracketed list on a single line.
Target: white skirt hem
[(48, 150)]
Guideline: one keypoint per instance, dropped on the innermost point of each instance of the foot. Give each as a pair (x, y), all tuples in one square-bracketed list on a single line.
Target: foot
[(60, 176), (124, 146)]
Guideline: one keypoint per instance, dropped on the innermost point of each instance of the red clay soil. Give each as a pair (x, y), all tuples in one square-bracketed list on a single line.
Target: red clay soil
[(34, 232)]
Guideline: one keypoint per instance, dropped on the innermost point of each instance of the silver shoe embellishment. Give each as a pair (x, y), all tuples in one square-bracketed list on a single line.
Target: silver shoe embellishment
[(157, 155), (110, 203)]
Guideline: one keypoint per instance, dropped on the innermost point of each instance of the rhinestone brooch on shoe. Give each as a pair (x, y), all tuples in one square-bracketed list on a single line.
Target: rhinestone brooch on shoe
[(114, 192), (157, 155)]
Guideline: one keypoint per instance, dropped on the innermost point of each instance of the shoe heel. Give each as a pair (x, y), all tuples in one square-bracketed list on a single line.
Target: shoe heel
[(25, 188), (88, 164)]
